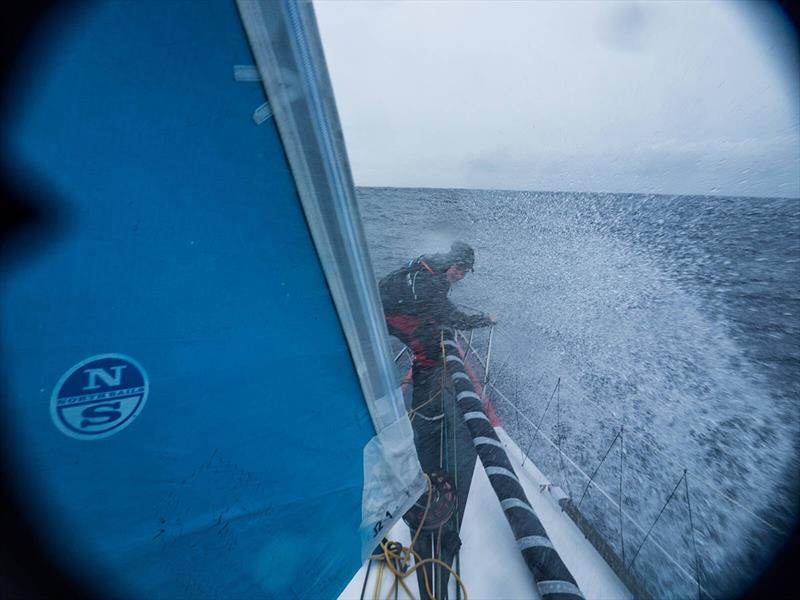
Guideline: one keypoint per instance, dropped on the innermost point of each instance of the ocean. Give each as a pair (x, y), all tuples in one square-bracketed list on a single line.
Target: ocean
[(675, 318)]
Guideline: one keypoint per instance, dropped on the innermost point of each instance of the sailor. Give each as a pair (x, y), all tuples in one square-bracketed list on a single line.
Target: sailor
[(417, 309)]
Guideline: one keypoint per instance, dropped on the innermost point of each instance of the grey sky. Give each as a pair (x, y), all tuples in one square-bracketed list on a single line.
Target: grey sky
[(661, 97)]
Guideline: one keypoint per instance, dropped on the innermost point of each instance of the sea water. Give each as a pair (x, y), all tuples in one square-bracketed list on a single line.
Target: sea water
[(676, 318)]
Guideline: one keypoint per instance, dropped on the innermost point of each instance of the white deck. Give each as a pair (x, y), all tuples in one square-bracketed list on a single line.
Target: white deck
[(491, 564)]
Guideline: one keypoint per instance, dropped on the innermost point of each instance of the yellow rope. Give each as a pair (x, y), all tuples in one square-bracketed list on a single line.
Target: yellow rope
[(404, 554), (412, 413), (378, 582)]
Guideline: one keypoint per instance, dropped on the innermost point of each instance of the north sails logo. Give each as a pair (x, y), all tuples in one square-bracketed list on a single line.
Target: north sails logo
[(99, 396)]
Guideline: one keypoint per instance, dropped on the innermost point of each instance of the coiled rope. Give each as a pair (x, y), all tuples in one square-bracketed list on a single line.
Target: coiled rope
[(397, 559)]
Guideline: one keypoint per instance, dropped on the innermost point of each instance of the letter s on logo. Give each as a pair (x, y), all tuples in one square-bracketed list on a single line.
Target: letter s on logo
[(97, 412)]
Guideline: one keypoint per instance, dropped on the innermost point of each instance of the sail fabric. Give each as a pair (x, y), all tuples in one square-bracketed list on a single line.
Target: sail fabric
[(179, 401)]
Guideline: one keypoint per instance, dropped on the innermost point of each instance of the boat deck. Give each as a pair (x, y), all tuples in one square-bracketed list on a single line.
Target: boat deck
[(490, 563)]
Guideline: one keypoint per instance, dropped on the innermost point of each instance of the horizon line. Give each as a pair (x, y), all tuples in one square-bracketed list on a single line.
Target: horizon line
[(574, 192)]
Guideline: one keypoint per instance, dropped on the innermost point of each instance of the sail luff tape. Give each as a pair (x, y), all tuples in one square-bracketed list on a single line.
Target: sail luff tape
[(246, 73), (250, 73), (262, 113), (549, 571)]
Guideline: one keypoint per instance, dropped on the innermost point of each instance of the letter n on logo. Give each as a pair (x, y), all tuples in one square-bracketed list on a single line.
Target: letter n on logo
[(105, 376)]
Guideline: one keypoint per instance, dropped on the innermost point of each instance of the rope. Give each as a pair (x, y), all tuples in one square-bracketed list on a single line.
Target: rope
[(472, 348), (439, 555), (535, 433), (597, 468), (396, 557), (488, 353), (622, 513), (656, 521), (558, 439), (710, 486), (613, 502), (458, 502), (443, 428), (366, 578), (413, 412), (379, 581), (495, 376), (694, 543), (403, 351)]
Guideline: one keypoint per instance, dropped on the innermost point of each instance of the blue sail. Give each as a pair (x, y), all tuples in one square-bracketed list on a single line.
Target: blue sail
[(181, 407)]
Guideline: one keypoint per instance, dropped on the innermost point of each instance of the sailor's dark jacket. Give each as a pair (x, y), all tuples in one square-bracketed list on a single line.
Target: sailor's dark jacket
[(420, 289)]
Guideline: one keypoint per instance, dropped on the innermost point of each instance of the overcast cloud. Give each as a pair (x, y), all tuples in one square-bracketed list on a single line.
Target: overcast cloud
[(661, 97)]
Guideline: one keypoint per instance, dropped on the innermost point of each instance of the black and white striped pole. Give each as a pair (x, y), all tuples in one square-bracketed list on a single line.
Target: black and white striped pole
[(552, 577)]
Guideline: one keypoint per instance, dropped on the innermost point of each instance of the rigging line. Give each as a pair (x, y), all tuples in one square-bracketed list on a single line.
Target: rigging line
[(566, 456), (694, 543), (433, 566), (496, 375), (439, 575), (656, 521), (471, 348), (442, 426), (567, 384), (413, 412), (488, 355), (378, 584), (366, 578), (458, 572), (458, 502), (597, 468), (399, 354), (711, 486), (441, 446), (740, 505), (535, 433), (558, 439), (613, 502), (470, 345)]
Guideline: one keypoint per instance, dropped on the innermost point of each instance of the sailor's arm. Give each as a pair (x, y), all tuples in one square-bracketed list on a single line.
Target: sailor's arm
[(461, 320)]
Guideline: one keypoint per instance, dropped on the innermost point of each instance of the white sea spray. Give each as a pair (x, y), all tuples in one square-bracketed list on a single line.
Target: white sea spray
[(650, 311)]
